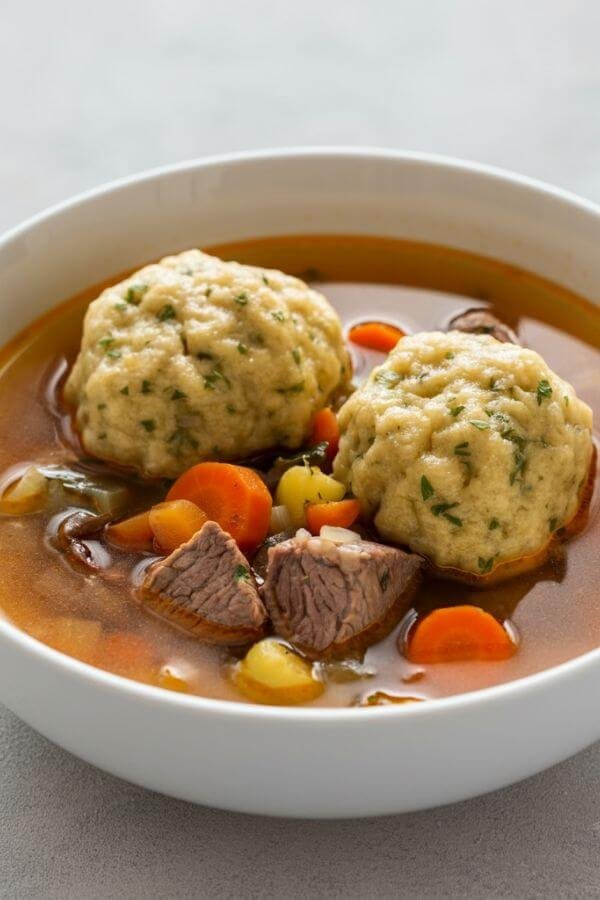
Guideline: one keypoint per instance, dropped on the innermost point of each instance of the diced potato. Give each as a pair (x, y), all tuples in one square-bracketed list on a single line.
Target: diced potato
[(170, 678), (134, 533), (174, 522), (272, 673), (306, 484), (27, 495)]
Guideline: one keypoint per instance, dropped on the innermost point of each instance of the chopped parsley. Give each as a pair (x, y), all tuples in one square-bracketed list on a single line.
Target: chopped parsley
[(113, 353), (203, 355), (166, 313), (442, 509), (180, 437), (231, 409), (543, 391), (462, 449), (485, 565), (242, 348), (106, 342), (427, 490), (552, 524), (135, 292), (146, 386), (125, 390), (241, 573), (242, 299), (518, 454), (148, 424), (176, 394), (390, 379), (493, 524), (265, 280), (455, 410), (449, 355), (101, 406), (214, 377), (480, 424), (566, 399), (278, 315), (102, 436), (297, 356), (292, 389), (121, 306)]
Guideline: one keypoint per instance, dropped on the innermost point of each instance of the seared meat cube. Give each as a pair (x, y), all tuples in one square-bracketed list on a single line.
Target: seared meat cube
[(481, 321), (207, 588), (329, 599)]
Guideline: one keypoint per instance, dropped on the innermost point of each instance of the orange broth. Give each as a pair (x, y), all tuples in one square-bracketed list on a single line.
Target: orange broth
[(417, 287)]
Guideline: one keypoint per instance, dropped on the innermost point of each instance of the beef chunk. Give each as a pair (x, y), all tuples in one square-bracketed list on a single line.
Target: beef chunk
[(329, 599), (261, 557), (206, 587), (481, 321)]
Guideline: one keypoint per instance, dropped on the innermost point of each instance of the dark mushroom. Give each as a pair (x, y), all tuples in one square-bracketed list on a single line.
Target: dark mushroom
[(481, 321), (70, 539)]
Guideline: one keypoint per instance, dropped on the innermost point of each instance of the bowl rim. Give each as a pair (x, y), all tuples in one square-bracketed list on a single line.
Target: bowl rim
[(528, 684)]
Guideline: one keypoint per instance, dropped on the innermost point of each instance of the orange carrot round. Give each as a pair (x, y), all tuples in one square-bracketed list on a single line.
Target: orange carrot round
[(134, 533), (174, 522), (325, 428), (338, 513), (458, 634), (233, 496), (376, 336)]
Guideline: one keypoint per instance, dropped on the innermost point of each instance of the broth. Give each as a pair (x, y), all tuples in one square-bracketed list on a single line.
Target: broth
[(555, 610)]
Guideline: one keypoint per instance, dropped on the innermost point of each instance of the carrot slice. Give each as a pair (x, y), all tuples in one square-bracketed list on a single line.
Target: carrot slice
[(339, 513), (134, 533), (234, 496), (457, 634), (376, 336), (325, 428), (175, 522)]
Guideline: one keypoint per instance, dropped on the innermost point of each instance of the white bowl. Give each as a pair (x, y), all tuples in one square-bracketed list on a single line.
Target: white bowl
[(286, 761)]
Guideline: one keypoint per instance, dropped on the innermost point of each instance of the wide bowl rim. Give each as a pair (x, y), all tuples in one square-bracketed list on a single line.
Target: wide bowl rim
[(544, 679)]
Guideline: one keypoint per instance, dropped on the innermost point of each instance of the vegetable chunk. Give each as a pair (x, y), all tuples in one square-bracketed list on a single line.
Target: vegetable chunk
[(233, 496), (458, 634), (301, 485), (272, 673)]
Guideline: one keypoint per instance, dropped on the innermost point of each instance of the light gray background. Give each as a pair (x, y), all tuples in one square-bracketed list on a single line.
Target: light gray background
[(90, 91)]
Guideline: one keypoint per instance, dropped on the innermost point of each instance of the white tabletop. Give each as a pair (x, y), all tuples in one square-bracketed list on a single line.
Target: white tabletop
[(90, 92)]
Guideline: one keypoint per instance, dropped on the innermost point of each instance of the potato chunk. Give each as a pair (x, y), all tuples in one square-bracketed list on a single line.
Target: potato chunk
[(272, 673), (301, 485), (27, 495)]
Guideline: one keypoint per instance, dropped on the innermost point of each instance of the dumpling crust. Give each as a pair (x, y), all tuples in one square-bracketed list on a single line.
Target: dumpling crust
[(465, 449), (193, 357)]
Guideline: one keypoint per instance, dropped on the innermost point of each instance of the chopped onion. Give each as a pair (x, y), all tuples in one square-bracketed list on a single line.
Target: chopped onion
[(280, 520), (302, 535), (27, 495), (339, 535)]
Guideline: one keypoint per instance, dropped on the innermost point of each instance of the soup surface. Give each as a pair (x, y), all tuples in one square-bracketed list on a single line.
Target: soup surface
[(555, 610)]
